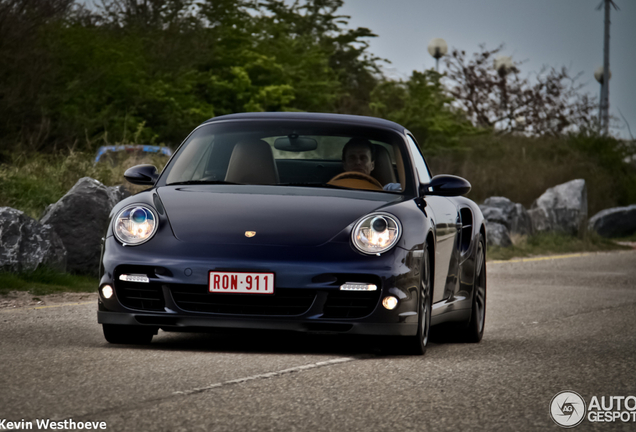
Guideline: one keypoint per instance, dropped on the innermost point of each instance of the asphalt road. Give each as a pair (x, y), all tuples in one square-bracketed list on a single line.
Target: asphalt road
[(551, 325)]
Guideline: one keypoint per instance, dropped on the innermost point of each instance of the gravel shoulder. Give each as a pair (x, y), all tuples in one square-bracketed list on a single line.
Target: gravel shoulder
[(20, 299)]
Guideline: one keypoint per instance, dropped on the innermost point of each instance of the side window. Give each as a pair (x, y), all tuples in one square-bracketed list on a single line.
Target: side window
[(422, 170)]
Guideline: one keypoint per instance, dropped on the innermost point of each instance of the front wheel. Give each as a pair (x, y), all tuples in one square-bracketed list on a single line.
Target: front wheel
[(129, 335), (475, 329), (417, 344)]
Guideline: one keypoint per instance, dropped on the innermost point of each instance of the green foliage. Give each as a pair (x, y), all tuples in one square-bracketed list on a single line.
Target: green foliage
[(553, 243), (30, 182), (522, 168), (92, 77), (421, 105), (43, 281)]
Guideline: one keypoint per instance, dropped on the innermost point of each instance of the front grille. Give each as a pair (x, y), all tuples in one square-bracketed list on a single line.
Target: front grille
[(143, 296), (284, 301), (350, 304)]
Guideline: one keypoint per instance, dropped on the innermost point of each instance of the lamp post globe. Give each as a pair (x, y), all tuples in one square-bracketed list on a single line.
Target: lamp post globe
[(438, 48), (503, 64), (599, 74)]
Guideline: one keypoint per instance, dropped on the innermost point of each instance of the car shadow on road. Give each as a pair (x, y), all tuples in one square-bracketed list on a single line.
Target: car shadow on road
[(261, 342), (280, 342)]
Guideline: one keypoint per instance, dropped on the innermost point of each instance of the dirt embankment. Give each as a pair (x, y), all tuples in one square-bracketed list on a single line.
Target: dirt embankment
[(17, 299)]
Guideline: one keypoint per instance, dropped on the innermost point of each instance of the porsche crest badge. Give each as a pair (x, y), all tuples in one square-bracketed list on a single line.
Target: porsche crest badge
[(250, 233)]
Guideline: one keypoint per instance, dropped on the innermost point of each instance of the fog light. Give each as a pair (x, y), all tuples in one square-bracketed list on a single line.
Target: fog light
[(389, 302), (107, 291)]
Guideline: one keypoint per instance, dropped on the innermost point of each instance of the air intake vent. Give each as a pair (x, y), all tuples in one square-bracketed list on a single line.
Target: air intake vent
[(142, 296), (350, 304), (285, 301)]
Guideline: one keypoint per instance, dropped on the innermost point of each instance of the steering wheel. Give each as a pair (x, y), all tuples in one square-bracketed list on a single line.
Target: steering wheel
[(355, 180)]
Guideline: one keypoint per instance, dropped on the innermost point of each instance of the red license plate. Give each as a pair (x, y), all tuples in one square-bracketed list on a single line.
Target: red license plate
[(241, 283)]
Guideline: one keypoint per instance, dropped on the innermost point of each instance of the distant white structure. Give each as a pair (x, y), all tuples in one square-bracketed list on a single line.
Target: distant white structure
[(598, 74), (438, 49), (503, 64)]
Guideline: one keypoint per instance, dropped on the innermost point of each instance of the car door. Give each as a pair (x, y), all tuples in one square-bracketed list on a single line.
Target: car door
[(446, 221)]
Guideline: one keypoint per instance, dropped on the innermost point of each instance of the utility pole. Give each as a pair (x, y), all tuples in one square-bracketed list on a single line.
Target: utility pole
[(606, 67)]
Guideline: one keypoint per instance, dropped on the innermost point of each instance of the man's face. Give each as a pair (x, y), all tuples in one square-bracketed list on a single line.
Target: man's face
[(358, 158)]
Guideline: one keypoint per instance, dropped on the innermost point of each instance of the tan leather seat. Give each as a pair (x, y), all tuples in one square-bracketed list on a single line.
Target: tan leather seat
[(252, 162), (383, 170)]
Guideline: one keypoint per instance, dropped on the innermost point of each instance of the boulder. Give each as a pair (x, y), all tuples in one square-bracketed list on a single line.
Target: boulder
[(26, 244), (80, 218), (497, 234), (503, 211), (562, 208), (614, 222)]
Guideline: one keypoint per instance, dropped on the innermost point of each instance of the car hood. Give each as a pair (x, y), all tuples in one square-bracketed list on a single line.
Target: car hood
[(279, 216)]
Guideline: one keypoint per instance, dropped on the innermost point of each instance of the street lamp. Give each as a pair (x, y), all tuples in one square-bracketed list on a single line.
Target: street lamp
[(438, 49), (503, 65), (599, 75)]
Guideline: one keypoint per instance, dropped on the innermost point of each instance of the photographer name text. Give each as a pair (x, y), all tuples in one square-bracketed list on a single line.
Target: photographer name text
[(6, 424)]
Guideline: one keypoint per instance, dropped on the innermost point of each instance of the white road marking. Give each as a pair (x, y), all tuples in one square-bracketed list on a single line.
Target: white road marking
[(267, 375)]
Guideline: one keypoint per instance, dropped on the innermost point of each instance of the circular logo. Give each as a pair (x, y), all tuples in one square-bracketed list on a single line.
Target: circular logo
[(567, 409)]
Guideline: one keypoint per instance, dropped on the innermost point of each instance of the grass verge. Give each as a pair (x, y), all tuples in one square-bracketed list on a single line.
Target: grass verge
[(31, 182), (553, 243), (45, 281), (631, 238)]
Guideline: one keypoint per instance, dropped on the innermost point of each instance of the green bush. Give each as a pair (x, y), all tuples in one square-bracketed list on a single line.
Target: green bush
[(44, 281), (522, 168), (553, 243), (30, 182)]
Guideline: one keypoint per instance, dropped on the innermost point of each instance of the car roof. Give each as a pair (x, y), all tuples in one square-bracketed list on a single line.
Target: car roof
[(332, 118)]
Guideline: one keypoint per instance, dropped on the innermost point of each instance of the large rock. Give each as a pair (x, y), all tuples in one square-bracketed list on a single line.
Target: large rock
[(26, 244), (80, 218), (614, 222), (497, 234), (562, 208), (503, 211)]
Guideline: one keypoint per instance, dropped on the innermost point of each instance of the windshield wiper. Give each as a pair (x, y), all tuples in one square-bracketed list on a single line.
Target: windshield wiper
[(206, 182), (301, 184), (318, 185)]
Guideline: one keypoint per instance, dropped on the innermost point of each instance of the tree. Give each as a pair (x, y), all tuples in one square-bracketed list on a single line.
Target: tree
[(25, 67), (423, 106), (551, 103)]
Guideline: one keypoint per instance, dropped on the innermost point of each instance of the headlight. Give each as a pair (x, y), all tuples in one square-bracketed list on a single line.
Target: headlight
[(376, 233), (135, 224)]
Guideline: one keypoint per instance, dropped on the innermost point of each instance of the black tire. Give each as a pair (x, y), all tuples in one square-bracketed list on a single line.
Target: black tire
[(475, 329), (129, 335), (417, 344)]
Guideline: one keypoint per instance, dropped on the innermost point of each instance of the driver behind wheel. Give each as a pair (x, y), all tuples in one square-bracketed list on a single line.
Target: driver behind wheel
[(358, 156)]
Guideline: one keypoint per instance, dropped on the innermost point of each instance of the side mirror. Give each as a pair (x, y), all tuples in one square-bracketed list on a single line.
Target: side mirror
[(142, 175), (445, 185)]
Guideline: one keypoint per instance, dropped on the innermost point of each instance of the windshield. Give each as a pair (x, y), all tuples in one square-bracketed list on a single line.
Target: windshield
[(291, 153)]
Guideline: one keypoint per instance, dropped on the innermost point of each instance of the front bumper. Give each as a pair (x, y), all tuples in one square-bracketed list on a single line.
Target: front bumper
[(176, 297), (181, 322)]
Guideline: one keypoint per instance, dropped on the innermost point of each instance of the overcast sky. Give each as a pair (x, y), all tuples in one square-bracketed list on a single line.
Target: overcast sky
[(543, 32)]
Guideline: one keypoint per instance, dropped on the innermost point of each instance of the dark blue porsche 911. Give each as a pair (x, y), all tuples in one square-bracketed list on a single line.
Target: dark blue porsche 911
[(295, 221)]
